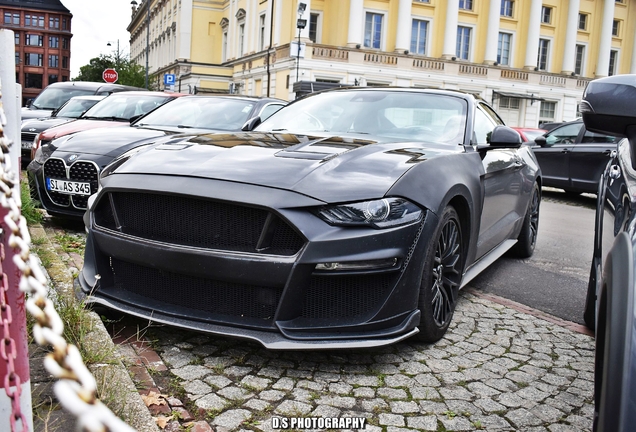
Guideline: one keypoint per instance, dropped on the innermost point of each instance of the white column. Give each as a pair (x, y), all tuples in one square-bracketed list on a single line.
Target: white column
[(304, 33), (534, 29), (356, 21), (450, 34), (633, 67), (278, 18), (404, 26), (492, 37), (268, 20), (570, 37), (185, 30), (605, 43)]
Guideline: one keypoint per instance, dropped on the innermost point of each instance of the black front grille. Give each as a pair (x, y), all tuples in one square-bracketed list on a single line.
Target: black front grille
[(198, 222), (54, 168), (83, 172), (28, 136), (346, 296), (79, 171), (224, 299)]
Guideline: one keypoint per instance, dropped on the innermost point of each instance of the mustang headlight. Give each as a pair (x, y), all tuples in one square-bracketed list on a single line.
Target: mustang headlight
[(381, 213)]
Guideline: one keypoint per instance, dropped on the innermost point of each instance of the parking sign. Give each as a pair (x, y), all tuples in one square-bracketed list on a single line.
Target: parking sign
[(169, 79)]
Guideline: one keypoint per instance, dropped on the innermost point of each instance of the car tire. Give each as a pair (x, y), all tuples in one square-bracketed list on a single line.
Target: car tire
[(527, 239), (441, 277)]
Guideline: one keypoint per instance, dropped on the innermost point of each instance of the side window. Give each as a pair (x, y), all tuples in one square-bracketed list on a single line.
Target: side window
[(269, 110), (591, 137), (564, 135), (484, 125)]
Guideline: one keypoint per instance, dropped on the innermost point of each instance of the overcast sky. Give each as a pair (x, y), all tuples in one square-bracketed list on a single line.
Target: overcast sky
[(94, 24)]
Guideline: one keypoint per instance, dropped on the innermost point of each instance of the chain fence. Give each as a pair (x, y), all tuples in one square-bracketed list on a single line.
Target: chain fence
[(76, 388)]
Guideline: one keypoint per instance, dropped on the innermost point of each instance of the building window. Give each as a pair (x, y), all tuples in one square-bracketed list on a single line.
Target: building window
[(224, 47), (17, 58), (612, 62), (65, 43), (418, 37), (11, 19), (33, 40), (578, 65), (508, 103), (65, 62), (546, 15), (373, 30), (64, 24), (16, 38), (463, 42), (32, 80), (313, 27), (54, 22), (507, 8), (615, 28), (466, 4), (64, 78), (52, 79), (241, 39), (547, 110), (542, 60), (54, 42), (32, 59), (34, 21), (503, 49), (261, 32), (582, 21), (54, 60)]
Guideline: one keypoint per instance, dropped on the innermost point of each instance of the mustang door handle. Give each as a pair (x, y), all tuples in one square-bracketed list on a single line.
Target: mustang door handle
[(614, 172)]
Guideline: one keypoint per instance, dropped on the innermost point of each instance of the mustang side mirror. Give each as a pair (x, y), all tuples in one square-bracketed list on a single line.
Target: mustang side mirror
[(251, 124), (609, 107), (502, 137), (540, 140)]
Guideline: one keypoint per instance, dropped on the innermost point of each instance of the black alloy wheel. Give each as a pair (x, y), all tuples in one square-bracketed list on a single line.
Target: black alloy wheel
[(527, 239), (441, 278)]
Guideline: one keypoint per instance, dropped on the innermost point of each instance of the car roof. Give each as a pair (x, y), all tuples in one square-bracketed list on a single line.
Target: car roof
[(88, 97), (241, 97), (90, 85)]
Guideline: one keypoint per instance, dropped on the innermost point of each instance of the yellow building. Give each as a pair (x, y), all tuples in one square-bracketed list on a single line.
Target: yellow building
[(531, 58)]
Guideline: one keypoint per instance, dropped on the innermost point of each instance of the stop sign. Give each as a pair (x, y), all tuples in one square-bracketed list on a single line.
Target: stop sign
[(110, 75)]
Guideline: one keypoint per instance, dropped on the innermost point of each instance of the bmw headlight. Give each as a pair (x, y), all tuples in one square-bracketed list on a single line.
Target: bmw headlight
[(381, 213)]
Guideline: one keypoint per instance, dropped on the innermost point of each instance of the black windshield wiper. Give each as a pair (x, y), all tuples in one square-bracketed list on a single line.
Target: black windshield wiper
[(185, 127), (278, 130)]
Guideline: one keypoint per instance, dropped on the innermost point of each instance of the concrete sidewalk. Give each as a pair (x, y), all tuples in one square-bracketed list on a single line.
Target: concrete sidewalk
[(501, 366)]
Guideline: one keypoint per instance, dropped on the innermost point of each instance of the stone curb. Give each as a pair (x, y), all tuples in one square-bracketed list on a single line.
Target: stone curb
[(112, 373)]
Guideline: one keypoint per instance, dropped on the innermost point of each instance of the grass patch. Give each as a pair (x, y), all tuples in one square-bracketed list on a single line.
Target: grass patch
[(70, 243), (29, 207)]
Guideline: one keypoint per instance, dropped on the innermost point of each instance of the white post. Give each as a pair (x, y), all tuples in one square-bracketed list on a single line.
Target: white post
[(11, 96), (633, 67), (404, 27), (605, 43), (534, 29), (356, 23), (492, 36)]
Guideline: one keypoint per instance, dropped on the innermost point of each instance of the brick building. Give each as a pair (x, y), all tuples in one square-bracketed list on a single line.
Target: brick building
[(42, 42)]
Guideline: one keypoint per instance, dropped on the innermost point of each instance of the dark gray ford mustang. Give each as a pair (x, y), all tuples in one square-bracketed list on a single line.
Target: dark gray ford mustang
[(350, 218)]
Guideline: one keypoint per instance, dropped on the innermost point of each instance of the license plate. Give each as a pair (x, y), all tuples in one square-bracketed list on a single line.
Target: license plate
[(27, 144), (68, 187)]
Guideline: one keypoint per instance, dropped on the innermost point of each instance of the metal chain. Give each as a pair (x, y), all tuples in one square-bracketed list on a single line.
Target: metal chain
[(76, 387)]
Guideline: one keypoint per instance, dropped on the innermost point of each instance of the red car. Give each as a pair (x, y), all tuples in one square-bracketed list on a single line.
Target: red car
[(117, 109), (529, 134)]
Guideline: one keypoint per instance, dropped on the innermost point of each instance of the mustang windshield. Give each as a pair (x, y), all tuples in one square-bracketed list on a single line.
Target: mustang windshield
[(403, 115)]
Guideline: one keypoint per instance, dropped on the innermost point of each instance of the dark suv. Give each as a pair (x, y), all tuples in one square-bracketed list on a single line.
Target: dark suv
[(54, 96), (572, 158)]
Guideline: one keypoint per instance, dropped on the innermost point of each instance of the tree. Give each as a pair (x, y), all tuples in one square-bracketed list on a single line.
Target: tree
[(130, 73)]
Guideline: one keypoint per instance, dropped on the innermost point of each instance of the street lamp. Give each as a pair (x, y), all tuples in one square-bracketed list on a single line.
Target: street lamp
[(300, 24), (134, 3), (117, 57)]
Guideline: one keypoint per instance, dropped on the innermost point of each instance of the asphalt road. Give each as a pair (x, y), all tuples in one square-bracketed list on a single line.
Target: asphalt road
[(554, 279)]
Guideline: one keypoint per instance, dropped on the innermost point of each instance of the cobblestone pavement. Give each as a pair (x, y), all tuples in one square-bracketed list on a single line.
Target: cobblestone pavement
[(496, 369), (499, 367)]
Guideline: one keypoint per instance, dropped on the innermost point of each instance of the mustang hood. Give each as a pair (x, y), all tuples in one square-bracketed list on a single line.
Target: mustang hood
[(314, 166)]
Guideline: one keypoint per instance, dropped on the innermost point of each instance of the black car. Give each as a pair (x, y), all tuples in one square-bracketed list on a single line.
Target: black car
[(572, 158), (609, 107), (64, 172), (72, 109), (54, 96), (350, 218)]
